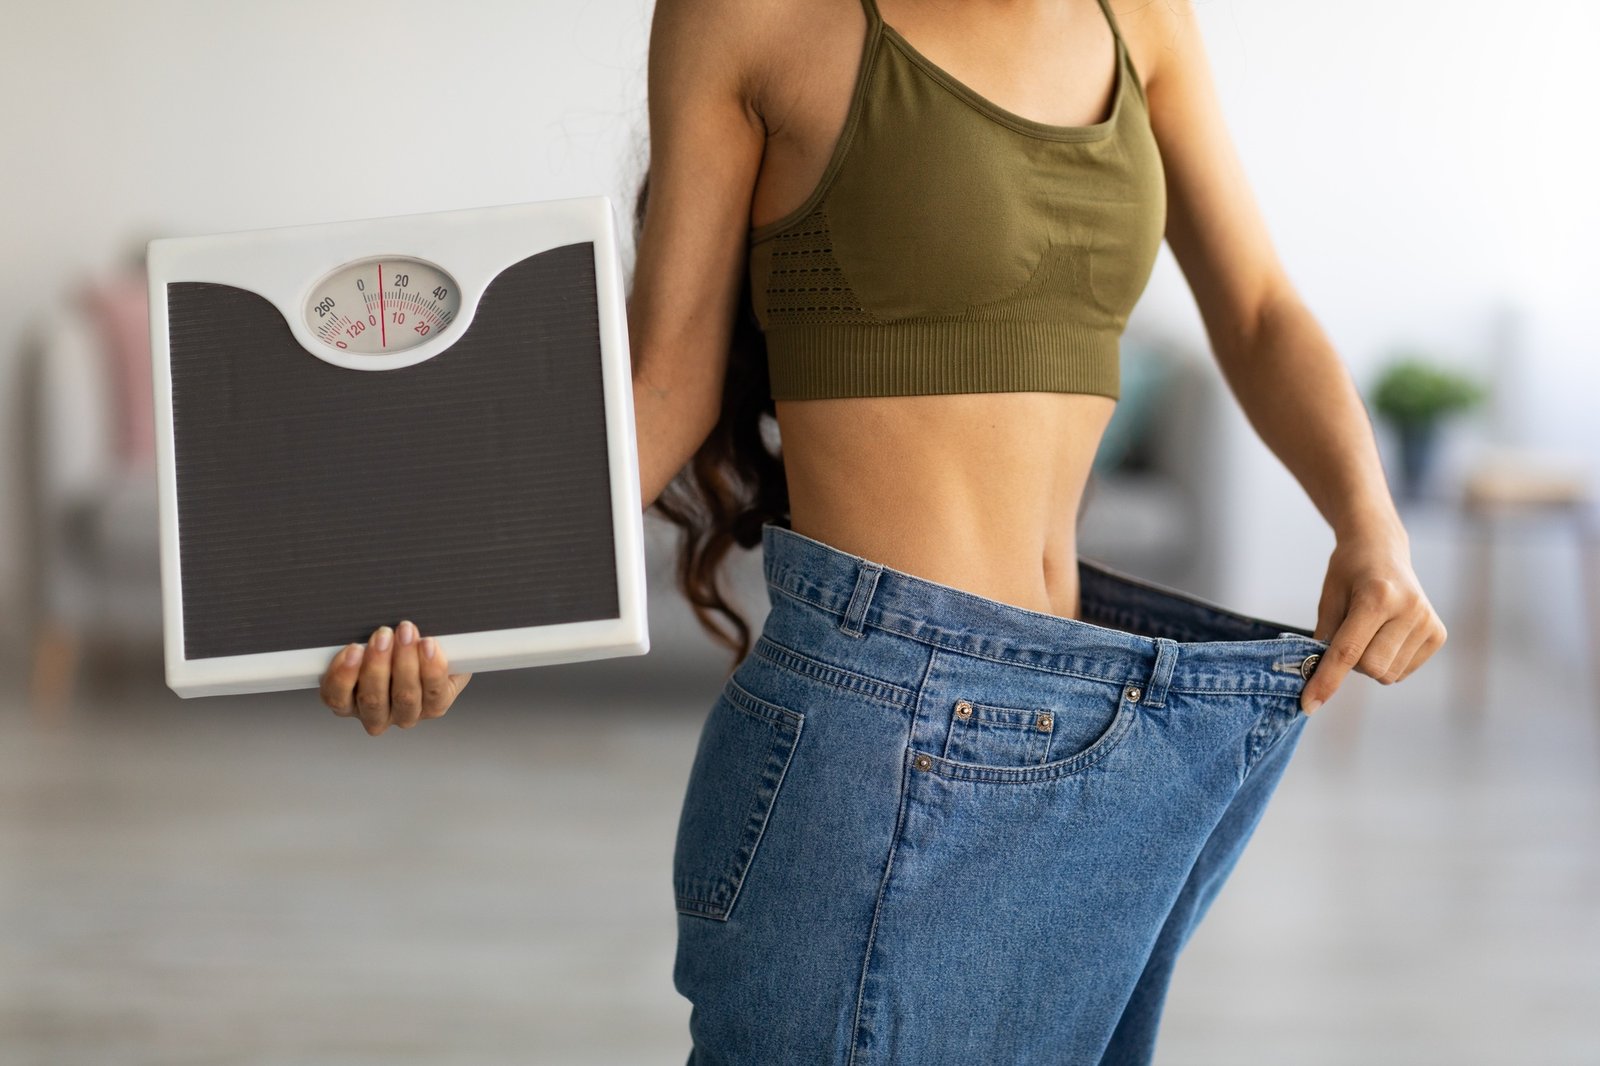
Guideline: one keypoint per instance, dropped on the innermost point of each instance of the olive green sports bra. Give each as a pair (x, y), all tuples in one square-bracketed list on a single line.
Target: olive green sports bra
[(953, 246)]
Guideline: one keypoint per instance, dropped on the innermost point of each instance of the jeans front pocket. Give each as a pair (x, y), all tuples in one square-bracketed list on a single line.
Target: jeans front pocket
[(744, 751)]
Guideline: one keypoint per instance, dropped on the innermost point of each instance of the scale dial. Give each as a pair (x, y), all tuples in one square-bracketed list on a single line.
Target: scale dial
[(381, 305)]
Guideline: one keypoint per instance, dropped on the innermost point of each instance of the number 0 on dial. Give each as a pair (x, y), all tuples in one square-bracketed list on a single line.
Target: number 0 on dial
[(382, 305)]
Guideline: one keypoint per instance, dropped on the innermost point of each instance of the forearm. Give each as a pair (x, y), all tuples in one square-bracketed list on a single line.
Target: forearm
[(1300, 399), (667, 434)]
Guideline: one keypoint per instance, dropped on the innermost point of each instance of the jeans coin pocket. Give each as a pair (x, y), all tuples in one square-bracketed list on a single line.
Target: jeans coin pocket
[(999, 736), (744, 751), (1012, 742)]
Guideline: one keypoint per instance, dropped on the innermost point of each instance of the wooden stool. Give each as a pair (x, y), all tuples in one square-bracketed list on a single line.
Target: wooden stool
[(1517, 483)]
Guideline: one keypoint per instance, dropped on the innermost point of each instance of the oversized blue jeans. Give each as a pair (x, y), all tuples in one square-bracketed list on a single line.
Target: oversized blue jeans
[(928, 828)]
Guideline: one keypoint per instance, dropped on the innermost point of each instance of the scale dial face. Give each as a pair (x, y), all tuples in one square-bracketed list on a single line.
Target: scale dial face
[(383, 304)]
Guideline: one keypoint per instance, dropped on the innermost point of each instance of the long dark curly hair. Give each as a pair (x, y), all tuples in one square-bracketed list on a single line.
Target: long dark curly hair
[(735, 481)]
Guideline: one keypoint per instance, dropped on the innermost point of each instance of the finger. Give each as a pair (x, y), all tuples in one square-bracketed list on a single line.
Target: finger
[(405, 692), (458, 682), (1345, 649), (339, 681), (1432, 637), (372, 690), (1386, 652), (439, 685)]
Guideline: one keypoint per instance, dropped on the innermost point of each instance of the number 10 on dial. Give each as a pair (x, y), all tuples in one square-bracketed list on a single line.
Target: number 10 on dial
[(382, 305)]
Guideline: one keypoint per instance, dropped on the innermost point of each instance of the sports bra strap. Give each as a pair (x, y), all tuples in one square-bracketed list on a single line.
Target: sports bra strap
[(1105, 6)]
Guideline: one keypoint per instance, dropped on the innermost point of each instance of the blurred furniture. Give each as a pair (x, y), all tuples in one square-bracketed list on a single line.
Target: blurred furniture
[(88, 513), (1152, 502), (1515, 484)]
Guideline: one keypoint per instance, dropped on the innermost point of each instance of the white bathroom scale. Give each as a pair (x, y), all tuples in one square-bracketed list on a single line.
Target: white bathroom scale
[(424, 417)]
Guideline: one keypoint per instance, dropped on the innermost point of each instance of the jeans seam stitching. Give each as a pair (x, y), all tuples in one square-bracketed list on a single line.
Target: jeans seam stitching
[(888, 868), (1256, 738), (750, 703), (952, 650), (792, 720), (828, 674)]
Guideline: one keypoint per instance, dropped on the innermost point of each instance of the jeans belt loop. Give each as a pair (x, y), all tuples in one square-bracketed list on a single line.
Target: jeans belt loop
[(866, 583), (1155, 686)]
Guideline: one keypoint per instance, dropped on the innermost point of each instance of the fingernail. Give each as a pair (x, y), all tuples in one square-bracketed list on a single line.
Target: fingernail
[(429, 646), (381, 641), (352, 655), (1313, 705), (408, 632)]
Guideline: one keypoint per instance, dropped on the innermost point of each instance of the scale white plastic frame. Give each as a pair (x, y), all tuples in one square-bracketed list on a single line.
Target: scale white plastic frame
[(474, 245)]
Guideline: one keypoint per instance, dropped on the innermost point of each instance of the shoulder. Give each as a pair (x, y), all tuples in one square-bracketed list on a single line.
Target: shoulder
[(1159, 35), (737, 41)]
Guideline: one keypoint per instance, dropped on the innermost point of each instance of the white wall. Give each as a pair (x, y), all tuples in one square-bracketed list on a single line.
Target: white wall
[(1419, 163)]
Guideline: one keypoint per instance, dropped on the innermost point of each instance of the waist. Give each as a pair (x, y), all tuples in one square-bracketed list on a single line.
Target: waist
[(980, 491), (970, 557), (1130, 628)]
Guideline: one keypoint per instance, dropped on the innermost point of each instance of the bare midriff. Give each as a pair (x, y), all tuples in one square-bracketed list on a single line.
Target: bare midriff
[(976, 491)]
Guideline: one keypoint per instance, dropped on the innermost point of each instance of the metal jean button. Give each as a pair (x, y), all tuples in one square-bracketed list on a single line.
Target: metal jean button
[(1308, 665)]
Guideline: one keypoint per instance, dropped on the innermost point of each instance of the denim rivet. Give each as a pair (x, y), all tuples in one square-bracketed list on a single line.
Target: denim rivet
[(1308, 665), (923, 762), (1132, 693), (1044, 722), (964, 709)]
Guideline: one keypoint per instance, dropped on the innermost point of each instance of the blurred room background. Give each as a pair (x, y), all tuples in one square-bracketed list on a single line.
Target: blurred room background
[(252, 880)]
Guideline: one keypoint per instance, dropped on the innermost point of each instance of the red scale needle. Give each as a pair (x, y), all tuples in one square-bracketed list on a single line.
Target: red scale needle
[(383, 327)]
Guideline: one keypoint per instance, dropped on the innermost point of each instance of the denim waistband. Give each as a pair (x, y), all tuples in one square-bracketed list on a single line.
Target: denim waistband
[(1130, 628)]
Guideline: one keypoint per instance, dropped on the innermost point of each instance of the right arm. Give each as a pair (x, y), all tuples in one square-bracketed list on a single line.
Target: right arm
[(706, 143)]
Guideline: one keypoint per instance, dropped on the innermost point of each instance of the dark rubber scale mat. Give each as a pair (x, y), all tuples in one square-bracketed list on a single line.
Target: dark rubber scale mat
[(468, 492)]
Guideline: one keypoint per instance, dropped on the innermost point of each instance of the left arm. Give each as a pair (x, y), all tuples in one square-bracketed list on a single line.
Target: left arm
[(1277, 360)]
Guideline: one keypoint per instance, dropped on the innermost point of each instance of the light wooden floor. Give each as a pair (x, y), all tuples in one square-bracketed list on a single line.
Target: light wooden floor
[(252, 881)]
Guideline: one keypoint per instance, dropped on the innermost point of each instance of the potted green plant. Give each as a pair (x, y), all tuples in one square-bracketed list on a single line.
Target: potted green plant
[(1415, 394)]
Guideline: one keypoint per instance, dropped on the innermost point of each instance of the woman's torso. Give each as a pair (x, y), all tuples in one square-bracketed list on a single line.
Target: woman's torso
[(979, 491)]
